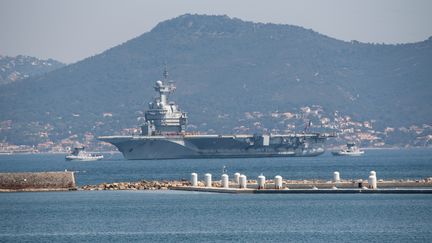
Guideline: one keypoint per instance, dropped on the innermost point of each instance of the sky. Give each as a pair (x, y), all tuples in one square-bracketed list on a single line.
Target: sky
[(72, 30)]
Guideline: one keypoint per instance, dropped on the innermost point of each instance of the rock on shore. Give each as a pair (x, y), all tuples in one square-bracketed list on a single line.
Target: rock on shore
[(140, 185)]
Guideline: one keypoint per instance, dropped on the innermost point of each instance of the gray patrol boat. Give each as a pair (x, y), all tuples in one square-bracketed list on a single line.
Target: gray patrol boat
[(164, 136)]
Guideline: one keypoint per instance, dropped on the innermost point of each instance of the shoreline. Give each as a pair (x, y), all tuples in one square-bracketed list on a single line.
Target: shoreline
[(293, 186), (310, 184), (328, 150)]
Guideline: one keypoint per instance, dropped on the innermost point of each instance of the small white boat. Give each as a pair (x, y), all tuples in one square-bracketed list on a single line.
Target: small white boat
[(350, 150), (81, 155)]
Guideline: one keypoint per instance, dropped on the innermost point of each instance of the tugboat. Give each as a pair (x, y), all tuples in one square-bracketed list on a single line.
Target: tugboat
[(350, 150), (81, 155)]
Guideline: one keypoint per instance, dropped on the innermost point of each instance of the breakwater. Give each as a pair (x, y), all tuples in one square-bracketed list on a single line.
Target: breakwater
[(61, 181), (240, 184), (139, 185), (307, 191), (253, 185), (37, 181)]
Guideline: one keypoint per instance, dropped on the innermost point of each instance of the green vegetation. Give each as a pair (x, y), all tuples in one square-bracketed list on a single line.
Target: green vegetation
[(227, 67)]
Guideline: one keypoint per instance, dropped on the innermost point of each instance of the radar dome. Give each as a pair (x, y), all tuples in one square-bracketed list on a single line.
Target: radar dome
[(159, 83)]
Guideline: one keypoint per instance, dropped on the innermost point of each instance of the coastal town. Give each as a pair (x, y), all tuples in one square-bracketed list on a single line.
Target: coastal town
[(308, 118)]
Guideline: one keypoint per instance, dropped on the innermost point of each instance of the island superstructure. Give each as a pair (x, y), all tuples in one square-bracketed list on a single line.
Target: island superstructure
[(164, 136)]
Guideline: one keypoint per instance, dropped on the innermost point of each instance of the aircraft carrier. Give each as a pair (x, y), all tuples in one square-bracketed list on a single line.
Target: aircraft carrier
[(164, 136)]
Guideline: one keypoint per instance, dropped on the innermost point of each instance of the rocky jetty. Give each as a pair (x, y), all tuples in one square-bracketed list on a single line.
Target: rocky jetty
[(140, 185), (292, 184)]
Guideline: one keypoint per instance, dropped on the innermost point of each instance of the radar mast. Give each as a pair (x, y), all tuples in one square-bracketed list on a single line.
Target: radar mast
[(164, 117), (165, 73)]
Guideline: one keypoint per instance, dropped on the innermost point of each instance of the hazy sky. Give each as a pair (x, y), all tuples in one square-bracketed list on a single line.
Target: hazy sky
[(72, 30)]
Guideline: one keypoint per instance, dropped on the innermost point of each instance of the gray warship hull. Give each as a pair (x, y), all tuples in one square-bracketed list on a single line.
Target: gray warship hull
[(217, 146), (164, 136)]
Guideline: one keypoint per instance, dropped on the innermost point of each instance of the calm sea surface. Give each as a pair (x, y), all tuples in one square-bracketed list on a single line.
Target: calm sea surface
[(124, 216), (389, 164)]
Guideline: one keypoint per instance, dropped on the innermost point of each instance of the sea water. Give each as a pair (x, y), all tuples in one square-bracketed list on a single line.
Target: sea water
[(389, 164), (173, 216)]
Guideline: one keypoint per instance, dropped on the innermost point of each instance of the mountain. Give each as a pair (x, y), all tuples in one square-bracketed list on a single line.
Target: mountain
[(21, 67), (224, 68)]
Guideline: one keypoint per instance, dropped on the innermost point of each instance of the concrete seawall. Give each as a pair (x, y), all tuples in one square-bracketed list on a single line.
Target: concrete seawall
[(303, 191), (37, 181), (295, 186), (423, 186)]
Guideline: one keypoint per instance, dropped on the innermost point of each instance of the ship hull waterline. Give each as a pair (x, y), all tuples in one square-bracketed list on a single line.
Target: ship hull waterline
[(198, 147)]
